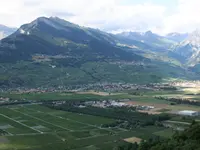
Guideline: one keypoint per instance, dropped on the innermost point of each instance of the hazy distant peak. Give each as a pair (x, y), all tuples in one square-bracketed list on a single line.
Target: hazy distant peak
[(193, 38), (178, 37), (173, 34), (149, 33), (6, 31)]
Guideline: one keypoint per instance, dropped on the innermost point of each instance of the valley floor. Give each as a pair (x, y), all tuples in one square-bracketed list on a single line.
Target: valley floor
[(25, 124), (36, 127)]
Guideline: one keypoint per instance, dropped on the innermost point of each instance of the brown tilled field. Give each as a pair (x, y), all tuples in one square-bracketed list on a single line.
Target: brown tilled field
[(133, 140)]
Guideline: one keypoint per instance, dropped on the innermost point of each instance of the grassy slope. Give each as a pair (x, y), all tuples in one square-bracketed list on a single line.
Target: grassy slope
[(29, 74)]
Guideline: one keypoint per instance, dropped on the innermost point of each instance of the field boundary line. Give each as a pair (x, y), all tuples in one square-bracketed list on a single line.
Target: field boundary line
[(178, 122), (43, 120), (90, 137), (68, 119), (29, 134), (90, 125), (20, 123)]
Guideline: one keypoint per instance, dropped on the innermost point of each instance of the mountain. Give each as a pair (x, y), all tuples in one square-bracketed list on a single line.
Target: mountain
[(6, 31), (52, 52), (190, 48), (177, 37), (53, 36), (148, 38)]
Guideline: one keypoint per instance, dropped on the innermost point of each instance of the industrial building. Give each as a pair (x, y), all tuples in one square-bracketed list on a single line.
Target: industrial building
[(189, 113)]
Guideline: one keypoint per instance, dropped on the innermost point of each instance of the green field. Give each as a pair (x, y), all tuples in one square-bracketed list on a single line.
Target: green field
[(34, 127), (167, 133), (146, 97)]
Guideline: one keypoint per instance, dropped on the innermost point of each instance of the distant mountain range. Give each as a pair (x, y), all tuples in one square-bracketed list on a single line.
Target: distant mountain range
[(155, 39), (6, 31), (177, 37), (148, 37), (190, 48), (52, 52), (184, 47)]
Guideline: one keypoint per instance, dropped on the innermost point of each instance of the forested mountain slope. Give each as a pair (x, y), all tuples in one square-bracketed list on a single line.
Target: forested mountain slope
[(54, 52)]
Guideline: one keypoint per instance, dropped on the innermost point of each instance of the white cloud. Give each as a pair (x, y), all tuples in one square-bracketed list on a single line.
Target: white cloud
[(109, 15), (186, 19), (104, 14)]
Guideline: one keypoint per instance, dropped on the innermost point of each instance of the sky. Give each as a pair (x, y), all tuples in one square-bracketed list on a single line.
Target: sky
[(159, 16)]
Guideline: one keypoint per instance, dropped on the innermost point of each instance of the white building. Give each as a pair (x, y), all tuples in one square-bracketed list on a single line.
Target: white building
[(188, 113)]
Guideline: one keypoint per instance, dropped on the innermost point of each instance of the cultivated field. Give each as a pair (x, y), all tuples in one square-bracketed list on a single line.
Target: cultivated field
[(148, 98), (34, 127)]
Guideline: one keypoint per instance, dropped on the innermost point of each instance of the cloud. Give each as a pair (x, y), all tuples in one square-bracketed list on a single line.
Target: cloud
[(186, 19), (108, 15), (116, 17), (105, 14)]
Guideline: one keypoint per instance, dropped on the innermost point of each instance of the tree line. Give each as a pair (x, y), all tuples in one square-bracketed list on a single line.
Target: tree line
[(179, 101), (127, 117), (186, 140)]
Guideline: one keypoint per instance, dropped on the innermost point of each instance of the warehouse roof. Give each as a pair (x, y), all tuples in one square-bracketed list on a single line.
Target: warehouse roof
[(187, 111)]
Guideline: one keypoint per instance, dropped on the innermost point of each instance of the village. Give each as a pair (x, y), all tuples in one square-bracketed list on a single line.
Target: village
[(106, 87)]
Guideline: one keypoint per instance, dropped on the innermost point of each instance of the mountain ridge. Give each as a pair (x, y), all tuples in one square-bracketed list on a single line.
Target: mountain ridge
[(57, 33), (149, 38), (190, 48), (178, 37), (79, 55)]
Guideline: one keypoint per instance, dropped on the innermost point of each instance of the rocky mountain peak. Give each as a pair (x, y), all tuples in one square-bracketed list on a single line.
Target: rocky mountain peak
[(190, 48), (193, 38)]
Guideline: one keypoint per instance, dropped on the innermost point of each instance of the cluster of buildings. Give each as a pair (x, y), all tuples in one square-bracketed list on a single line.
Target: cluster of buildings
[(114, 103), (114, 87), (3, 100), (146, 108), (121, 63), (105, 104), (187, 84), (105, 86)]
